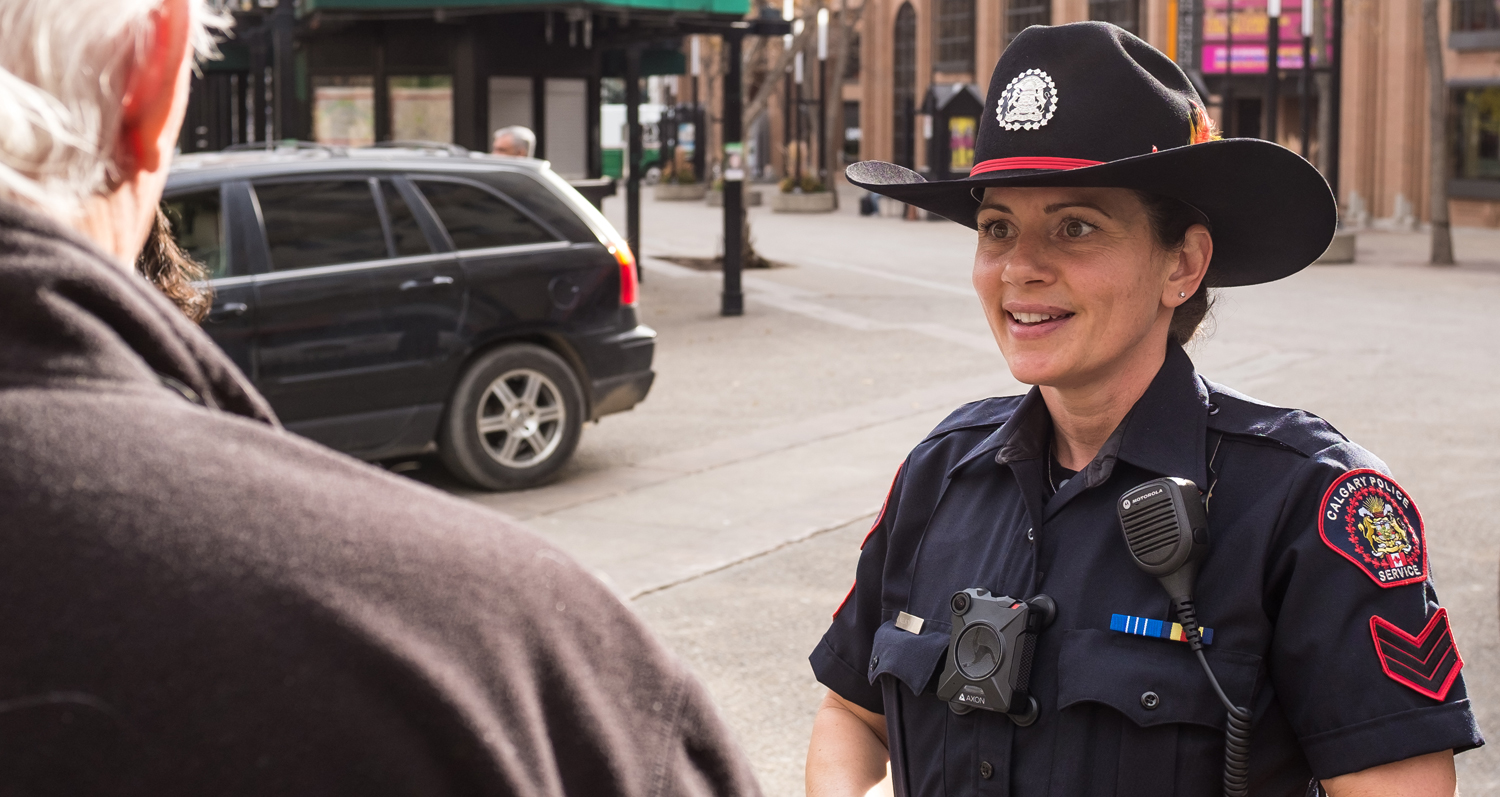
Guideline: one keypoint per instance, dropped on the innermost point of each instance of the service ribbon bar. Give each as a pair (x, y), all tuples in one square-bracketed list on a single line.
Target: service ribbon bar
[(1156, 629)]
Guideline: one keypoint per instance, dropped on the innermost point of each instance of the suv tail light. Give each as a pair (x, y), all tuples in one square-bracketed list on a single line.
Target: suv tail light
[(628, 281)]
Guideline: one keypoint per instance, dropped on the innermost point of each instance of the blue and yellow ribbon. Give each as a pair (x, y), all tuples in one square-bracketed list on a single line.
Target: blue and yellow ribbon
[(1156, 629)]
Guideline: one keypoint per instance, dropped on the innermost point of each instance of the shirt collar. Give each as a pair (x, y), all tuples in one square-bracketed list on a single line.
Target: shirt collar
[(1165, 432), (1023, 436)]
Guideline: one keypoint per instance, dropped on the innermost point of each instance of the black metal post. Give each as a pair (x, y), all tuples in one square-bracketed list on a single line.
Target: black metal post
[(786, 122), (1231, 118), (1335, 98), (733, 299), (1306, 79), (539, 120), (284, 68), (797, 134), (825, 169), (258, 83), (700, 139), (633, 155), (1273, 76)]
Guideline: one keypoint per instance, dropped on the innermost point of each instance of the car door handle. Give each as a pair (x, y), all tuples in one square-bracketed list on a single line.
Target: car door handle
[(427, 283), (228, 310)]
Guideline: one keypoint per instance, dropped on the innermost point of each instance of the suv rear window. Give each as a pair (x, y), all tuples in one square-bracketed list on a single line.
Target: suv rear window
[(321, 223), (477, 219), (198, 228)]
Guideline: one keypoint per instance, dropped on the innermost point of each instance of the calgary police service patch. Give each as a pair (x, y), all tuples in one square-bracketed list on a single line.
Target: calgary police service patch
[(1372, 522)]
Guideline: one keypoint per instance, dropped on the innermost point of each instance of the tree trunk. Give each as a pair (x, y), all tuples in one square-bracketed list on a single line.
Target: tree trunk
[(844, 23), (1437, 124), (757, 106)]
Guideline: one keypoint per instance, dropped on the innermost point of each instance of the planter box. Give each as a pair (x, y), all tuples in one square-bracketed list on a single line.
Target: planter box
[(1341, 250), (817, 202), (752, 198), (672, 192)]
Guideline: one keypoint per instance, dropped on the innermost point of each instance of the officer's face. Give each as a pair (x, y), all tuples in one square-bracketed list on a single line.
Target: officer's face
[(1072, 283)]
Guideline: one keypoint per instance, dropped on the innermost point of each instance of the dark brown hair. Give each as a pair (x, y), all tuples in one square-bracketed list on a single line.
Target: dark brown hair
[(173, 273), (1170, 220)]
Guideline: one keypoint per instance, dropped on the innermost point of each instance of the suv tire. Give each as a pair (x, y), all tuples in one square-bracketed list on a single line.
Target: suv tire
[(514, 419)]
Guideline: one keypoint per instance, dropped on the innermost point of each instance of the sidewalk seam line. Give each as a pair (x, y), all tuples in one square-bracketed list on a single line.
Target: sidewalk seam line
[(729, 462), (751, 557)]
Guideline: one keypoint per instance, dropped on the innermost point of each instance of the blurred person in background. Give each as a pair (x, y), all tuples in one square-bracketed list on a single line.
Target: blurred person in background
[(515, 140), (194, 601)]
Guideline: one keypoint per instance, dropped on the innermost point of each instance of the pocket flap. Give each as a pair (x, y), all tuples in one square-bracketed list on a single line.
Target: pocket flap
[(912, 658), (1118, 670)]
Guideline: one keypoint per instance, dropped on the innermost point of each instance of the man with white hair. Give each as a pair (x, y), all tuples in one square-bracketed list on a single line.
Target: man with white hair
[(193, 601), (514, 140)]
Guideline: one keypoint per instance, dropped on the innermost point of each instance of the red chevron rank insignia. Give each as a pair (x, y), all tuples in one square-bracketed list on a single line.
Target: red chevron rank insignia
[(1428, 662)]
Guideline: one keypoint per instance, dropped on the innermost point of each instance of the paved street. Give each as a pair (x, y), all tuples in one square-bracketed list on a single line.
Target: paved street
[(730, 505)]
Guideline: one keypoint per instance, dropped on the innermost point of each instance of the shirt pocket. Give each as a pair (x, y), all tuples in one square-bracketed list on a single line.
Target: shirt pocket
[(1146, 711), (910, 658)]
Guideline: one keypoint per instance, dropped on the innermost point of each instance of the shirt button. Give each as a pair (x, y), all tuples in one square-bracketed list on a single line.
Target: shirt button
[(1213, 409), (1150, 700), (1031, 535), (985, 770)]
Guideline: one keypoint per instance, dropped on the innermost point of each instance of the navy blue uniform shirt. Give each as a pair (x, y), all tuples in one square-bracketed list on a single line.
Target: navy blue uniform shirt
[(1316, 585)]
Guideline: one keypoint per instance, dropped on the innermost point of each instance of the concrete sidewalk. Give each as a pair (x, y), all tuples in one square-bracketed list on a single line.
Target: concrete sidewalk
[(730, 504)]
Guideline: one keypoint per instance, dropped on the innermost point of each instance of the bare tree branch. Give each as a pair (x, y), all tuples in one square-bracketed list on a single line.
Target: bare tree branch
[(762, 98)]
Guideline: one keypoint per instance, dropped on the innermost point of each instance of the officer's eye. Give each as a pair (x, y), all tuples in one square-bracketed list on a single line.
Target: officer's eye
[(1077, 228), (999, 229)]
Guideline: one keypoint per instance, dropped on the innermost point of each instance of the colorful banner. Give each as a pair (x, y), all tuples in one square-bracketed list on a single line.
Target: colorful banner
[(1248, 38), (961, 131)]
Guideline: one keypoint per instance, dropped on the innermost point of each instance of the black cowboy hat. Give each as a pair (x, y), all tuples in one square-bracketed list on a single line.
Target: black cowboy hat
[(1090, 105)]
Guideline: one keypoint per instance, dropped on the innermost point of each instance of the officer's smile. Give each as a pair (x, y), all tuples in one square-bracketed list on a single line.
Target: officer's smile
[(1032, 321)]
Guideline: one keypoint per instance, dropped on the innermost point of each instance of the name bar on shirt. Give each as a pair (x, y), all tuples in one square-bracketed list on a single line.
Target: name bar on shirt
[(1156, 629)]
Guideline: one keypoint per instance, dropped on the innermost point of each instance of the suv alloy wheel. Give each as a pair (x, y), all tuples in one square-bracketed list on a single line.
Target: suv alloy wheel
[(514, 419)]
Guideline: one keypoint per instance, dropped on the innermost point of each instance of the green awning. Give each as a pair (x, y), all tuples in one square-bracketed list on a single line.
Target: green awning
[(737, 8)]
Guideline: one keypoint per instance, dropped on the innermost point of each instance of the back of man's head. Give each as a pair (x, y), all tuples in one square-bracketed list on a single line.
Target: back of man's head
[(64, 75), (514, 140)]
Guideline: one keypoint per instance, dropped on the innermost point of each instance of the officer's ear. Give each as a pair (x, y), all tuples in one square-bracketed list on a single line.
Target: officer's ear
[(1189, 267)]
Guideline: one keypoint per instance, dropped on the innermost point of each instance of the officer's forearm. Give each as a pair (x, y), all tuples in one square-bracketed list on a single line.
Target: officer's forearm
[(847, 756), (1428, 775)]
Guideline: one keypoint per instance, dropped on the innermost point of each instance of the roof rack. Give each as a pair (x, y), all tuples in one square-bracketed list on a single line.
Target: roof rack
[(448, 149), (283, 144)]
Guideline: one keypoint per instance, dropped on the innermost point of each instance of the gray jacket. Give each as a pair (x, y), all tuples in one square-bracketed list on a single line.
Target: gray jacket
[(193, 601)]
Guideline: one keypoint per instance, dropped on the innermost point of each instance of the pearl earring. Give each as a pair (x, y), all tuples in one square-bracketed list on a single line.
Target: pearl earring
[(1181, 295)]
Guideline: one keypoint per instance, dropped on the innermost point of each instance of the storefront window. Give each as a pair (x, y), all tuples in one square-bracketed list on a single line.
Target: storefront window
[(955, 36), (1476, 15), (344, 110), (422, 108), (1022, 14), (1125, 13), (1478, 129)]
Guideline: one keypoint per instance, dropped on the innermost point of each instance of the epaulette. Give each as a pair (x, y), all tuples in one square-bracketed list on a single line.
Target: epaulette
[(990, 413), (1299, 430)]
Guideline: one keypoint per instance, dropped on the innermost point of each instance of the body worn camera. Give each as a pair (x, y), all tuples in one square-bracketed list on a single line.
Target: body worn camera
[(989, 653)]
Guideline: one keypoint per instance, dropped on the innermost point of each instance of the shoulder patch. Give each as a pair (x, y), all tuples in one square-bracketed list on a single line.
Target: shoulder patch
[(1372, 522), (1428, 662)]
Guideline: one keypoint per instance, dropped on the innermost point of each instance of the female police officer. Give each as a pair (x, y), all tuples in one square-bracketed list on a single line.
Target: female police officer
[(1105, 212)]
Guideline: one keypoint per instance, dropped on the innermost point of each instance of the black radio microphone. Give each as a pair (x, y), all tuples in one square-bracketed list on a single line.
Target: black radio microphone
[(1166, 532)]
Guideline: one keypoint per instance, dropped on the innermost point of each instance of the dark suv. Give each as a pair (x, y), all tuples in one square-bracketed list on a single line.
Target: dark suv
[(389, 300)]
